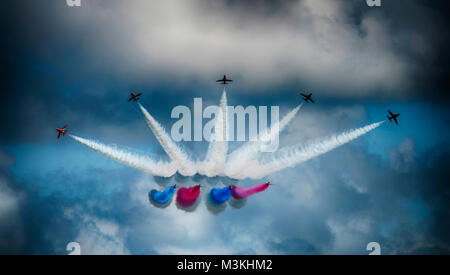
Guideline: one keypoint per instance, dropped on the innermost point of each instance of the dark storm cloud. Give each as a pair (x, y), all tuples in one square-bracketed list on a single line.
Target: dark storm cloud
[(76, 65), (419, 31), (50, 79), (139, 39)]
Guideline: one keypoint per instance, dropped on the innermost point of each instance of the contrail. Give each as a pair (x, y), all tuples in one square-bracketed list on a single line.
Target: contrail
[(251, 149), (185, 166), (218, 147), (143, 163), (292, 156)]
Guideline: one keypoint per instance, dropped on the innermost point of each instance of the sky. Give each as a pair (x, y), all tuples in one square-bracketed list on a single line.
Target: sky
[(77, 65)]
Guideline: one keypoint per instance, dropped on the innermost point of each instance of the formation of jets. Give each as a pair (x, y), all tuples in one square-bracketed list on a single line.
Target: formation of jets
[(62, 131), (393, 117), (225, 80)]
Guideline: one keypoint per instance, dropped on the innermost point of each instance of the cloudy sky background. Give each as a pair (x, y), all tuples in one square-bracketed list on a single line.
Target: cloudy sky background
[(77, 65)]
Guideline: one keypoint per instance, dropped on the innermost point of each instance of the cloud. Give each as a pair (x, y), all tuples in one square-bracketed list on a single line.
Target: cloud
[(97, 236), (403, 157), (334, 204), (309, 42), (11, 227), (78, 64), (340, 48)]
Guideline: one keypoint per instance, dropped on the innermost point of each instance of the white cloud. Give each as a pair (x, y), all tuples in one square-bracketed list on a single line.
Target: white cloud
[(311, 42)]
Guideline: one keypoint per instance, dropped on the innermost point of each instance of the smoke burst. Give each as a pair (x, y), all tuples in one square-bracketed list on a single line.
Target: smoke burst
[(245, 162), (252, 149)]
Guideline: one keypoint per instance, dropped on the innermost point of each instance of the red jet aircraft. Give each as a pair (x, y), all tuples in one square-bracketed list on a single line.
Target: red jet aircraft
[(134, 97), (62, 131)]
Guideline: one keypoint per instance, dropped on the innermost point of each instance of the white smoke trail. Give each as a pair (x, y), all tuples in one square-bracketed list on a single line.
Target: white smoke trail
[(185, 166), (218, 147), (252, 149), (143, 163), (292, 156)]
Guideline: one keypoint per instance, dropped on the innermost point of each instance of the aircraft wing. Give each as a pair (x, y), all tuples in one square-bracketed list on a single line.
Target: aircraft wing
[(130, 99), (395, 119), (390, 113), (59, 134), (311, 100), (139, 94)]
